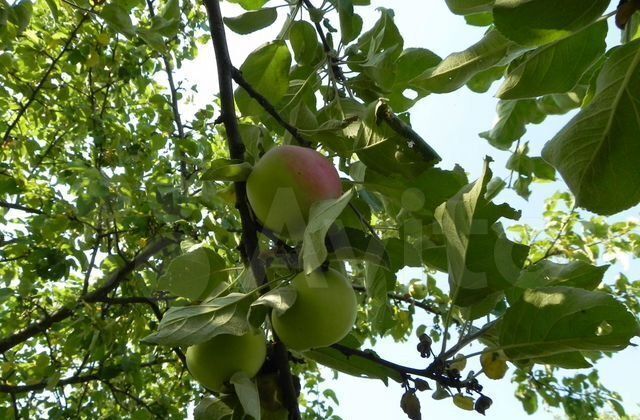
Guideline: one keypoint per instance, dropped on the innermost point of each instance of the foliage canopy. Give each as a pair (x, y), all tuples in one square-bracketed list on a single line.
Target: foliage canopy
[(126, 234)]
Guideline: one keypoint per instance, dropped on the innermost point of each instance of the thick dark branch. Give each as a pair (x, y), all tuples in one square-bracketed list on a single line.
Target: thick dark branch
[(414, 141), (40, 386), (250, 243), (25, 209), (435, 371), (43, 80), (97, 295), (264, 102), (75, 379)]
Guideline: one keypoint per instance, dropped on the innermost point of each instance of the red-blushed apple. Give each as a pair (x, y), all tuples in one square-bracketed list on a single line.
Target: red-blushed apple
[(323, 314), (284, 184), (214, 362)]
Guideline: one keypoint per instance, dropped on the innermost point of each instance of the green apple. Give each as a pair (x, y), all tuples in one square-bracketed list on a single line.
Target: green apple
[(464, 402), (214, 362), (323, 313), (284, 184), (418, 290)]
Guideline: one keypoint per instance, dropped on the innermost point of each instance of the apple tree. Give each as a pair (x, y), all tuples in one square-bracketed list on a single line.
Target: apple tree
[(159, 258)]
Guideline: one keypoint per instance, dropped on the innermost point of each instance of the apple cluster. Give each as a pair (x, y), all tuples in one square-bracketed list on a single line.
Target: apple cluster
[(281, 189)]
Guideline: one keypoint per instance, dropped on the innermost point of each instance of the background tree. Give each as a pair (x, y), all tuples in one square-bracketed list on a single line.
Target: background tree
[(127, 234)]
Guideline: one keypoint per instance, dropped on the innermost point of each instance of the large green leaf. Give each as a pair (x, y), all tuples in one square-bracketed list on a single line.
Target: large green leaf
[(252, 21), (468, 7), (547, 273), (481, 259), (458, 68), (511, 125), (250, 4), (352, 365), (321, 217), (556, 67), (247, 392), (598, 151), (553, 320), (188, 325), (267, 71), (118, 18), (537, 22), (304, 43)]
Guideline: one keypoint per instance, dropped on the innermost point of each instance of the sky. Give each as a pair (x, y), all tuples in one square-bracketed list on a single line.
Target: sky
[(429, 24)]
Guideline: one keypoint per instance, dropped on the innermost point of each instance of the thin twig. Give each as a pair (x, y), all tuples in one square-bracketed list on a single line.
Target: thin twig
[(267, 106), (43, 80)]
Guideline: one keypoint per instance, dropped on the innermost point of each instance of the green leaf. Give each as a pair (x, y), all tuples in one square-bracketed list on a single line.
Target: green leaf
[(546, 273), (53, 7), (412, 63), (227, 170), (267, 71), (280, 299), (171, 11), (481, 259), (189, 325), (350, 23), (321, 217), (117, 17), (22, 12), (598, 152), (304, 43), (352, 365), (468, 7), (247, 392), (458, 68), (556, 67), (195, 275), (250, 22), (250, 4), (538, 22), (513, 117), (212, 409), (568, 360), (353, 244), (5, 294), (554, 320)]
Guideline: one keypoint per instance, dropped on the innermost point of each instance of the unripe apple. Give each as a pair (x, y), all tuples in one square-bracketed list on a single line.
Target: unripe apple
[(214, 362), (284, 184), (464, 402), (323, 313), (494, 365), (418, 290)]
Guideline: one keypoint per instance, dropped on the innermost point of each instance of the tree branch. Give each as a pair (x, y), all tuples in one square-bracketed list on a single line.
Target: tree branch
[(267, 106), (97, 295), (251, 248), (25, 209), (174, 106), (43, 80), (435, 371), (75, 379)]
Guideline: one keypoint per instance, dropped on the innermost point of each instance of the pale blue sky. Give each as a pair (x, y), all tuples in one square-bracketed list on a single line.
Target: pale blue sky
[(450, 123)]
